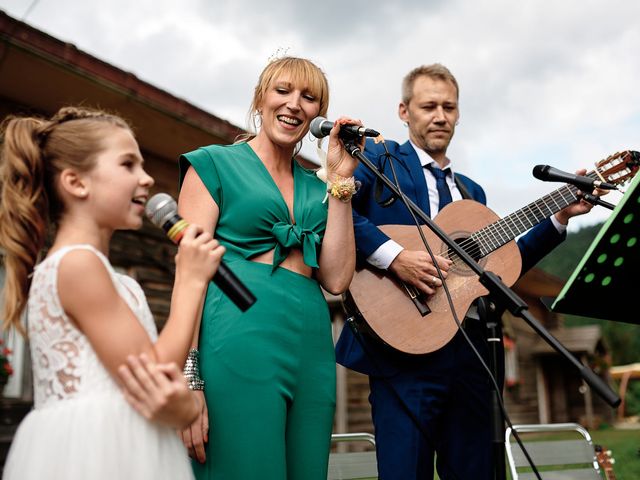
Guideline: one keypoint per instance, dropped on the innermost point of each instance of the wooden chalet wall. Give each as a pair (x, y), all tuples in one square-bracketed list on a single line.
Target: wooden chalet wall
[(522, 401)]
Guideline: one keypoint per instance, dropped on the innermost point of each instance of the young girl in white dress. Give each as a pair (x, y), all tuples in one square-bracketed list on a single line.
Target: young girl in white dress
[(82, 173)]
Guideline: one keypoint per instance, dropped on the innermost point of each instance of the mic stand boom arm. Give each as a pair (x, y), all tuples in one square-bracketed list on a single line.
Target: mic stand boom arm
[(500, 292)]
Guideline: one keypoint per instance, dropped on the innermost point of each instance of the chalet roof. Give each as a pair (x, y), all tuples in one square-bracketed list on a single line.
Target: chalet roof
[(43, 73), (583, 339)]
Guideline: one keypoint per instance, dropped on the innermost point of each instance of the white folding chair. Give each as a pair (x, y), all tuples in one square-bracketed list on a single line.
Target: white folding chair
[(555, 456), (353, 465)]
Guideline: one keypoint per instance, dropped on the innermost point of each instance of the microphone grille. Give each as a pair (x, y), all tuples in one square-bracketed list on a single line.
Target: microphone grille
[(316, 127), (160, 208), (539, 171)]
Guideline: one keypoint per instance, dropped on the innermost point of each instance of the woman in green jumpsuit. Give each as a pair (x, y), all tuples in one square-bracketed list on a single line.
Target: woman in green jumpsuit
[(269, 372)]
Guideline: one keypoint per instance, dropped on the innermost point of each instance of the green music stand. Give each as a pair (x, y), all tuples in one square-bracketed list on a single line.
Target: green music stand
[(605, 283)]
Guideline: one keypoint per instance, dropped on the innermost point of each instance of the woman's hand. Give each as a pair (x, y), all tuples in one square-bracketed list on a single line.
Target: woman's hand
[(339, 161), (197, 434), (158, 392)]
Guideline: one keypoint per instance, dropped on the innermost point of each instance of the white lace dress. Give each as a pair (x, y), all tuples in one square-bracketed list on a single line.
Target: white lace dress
[(81, 427)]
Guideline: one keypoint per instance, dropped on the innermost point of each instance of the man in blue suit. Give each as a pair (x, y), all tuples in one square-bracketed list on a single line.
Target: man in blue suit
[(447, 391)]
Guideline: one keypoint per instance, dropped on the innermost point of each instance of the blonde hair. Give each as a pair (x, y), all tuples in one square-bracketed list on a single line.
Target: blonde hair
[(436, 70), (34, 152), (301, 72)]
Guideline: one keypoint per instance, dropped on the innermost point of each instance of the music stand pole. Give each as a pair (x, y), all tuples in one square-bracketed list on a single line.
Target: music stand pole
[(503, 295)]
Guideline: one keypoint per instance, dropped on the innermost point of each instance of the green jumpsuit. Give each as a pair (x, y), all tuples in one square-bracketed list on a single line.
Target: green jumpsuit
[(269, 372)]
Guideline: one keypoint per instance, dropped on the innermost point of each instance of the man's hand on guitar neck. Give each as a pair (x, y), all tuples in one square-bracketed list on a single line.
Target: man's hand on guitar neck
[(578, 208), (416, 268)]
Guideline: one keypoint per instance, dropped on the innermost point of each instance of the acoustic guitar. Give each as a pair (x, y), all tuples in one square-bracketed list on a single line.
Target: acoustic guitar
[(408, 320)]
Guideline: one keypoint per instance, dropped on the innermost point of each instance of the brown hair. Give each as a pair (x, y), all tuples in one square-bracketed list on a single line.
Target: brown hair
[(34, 152), (302, 72), (435, 70)]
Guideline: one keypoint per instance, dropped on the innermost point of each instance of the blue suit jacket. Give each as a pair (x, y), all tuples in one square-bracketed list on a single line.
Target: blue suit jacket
[(367, 214)]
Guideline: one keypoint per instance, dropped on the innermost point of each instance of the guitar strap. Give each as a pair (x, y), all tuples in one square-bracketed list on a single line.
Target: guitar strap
[(463, 190), (385, 158), (384, 203)]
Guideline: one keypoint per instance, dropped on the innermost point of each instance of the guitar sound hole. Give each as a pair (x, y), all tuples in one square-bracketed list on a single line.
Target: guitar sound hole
[(471, 248)]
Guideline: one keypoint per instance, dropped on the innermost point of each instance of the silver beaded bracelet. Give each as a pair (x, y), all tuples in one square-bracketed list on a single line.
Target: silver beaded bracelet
[(191, 370)]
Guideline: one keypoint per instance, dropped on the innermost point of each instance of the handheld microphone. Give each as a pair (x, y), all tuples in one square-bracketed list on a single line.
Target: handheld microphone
[(162, 210), (321, 127), (547, 173)]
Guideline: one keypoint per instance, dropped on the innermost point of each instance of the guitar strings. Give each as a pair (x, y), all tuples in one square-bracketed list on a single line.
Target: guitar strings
[(474, 243)]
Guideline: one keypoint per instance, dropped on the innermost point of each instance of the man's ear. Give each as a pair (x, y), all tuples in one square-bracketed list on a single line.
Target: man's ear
[(403, 112), (73, 183)]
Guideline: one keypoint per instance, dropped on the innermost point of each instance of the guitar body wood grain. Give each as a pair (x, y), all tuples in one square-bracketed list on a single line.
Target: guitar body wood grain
[(389, 311)]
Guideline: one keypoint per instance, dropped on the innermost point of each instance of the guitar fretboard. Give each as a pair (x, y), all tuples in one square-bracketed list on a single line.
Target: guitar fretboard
[(499, 233)]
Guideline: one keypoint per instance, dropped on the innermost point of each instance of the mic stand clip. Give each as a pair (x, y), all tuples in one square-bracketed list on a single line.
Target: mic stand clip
[(594, 200)]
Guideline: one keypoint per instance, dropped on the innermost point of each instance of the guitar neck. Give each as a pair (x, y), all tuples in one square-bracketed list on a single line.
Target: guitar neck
[(499, 233)]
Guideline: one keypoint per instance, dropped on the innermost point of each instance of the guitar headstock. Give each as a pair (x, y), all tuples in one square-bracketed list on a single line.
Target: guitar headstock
[(619, 167), (605, 460)]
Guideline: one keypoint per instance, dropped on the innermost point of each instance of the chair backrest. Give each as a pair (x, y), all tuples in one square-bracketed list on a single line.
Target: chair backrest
[(353, 465), (558, 450)]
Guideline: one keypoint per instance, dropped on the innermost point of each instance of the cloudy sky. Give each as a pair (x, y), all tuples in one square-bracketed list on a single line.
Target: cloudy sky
[(542, 82)]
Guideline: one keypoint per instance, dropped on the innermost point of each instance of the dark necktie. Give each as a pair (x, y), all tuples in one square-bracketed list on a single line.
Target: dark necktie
[(444, 194)]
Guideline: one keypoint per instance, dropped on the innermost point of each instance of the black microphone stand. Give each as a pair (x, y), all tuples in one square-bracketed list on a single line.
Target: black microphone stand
[(502, 294)]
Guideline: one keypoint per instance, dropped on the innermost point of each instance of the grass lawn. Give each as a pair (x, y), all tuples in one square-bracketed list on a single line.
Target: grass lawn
[(625, 449)]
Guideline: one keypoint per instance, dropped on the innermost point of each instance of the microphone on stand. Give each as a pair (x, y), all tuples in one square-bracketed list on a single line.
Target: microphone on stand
[(547, 173), (162, 210), (321, 127)]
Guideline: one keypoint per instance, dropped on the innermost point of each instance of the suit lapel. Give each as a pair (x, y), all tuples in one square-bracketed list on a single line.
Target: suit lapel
[(410, 158)]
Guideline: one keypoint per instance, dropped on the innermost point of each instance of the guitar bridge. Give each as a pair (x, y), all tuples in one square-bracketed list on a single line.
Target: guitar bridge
[(418, 299)]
